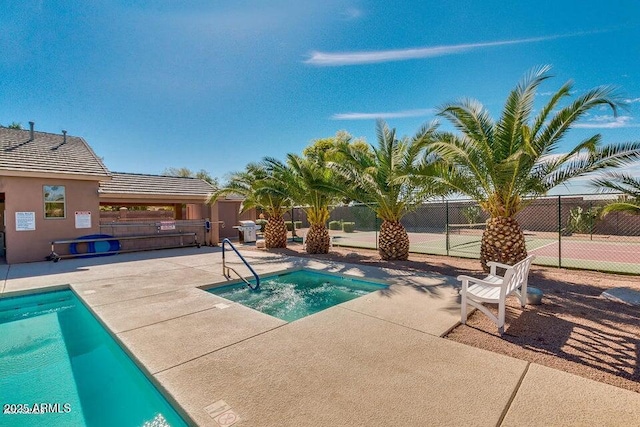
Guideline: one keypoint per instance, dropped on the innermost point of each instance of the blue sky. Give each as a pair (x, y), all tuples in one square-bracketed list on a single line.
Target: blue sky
[(215, 84)]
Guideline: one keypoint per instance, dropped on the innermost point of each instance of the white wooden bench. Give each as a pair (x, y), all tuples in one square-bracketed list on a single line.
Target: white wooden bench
[(495, 288)]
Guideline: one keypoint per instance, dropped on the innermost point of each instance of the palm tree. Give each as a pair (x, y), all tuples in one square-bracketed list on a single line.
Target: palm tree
[(499, 163), (314, 186), (383, 178), (261, 189), (630, 187)]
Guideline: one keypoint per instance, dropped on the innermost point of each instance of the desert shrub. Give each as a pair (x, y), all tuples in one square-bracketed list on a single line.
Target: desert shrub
[(335, 225), (289, 225), (471, 214), (262, 223), (348, 227), (582, 220)]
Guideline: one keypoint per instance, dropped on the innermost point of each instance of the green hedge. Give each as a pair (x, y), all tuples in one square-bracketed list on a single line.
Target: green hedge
[(262, 223), (298, 225), (335, 225), (348, 227)]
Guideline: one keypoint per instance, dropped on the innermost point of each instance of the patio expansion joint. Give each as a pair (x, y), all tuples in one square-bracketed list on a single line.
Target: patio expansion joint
[(218, 349), (125, 300), (179, 265), (389, 321), (168, 320), (513, 395)]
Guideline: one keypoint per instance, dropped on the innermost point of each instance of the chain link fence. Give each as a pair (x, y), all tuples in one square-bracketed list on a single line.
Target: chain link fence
[(561, 231)]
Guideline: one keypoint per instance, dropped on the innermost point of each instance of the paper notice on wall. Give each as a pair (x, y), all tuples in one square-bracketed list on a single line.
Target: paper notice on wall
[(83, 219), (25, 221), (167, 225)]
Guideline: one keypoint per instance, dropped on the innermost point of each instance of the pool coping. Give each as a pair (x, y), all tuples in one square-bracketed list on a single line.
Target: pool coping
[(231, 283)]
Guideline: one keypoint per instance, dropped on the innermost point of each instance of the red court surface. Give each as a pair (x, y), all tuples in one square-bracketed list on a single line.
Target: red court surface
[(592, 251)]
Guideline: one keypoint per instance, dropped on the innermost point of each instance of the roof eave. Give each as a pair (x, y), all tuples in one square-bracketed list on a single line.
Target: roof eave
[(170, 198), (27, 173)]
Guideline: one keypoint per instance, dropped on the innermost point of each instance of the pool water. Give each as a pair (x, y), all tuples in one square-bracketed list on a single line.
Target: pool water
[(294, 295), (55, 357)]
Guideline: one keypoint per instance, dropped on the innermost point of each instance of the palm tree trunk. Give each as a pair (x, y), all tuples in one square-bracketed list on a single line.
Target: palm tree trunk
[(502, 241), (393, 243), (317, 239), (275, 232)]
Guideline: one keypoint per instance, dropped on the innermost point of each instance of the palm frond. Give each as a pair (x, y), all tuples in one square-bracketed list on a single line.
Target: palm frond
[(551, 164), (516, 113), (258, 187), (384, 178), (628, 207), (621, 182), (611, 156), (547, 140), (309, 182), (473, 120), (461, 151), (541, 118), (498, 163)]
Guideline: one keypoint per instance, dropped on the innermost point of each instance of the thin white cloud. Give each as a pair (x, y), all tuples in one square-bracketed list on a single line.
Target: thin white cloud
[(385, 115), (352, 13), (545, 93), (328, 59), (607, 122), (632, 100)]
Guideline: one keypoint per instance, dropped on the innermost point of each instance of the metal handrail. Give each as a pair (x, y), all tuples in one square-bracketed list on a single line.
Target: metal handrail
[(226, 269)]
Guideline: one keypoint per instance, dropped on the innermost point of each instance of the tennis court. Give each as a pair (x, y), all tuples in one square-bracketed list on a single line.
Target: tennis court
[(561, 230), (603, 253)]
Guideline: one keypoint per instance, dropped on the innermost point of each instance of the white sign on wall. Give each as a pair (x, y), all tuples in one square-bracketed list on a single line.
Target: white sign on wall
[(167, 225), (25, 221), (83, 219)]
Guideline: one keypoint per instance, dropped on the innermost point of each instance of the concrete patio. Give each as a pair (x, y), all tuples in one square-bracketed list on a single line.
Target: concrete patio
[(376, 360)]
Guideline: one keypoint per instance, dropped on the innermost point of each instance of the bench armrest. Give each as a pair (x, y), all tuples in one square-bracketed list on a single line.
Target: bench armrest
[(466, 279), (495, 264)]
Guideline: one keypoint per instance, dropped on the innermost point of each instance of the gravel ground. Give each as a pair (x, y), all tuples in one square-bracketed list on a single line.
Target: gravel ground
[(574, 330)]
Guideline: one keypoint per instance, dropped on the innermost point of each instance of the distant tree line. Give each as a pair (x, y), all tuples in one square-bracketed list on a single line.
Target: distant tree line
[(188, 173), (13, 125)]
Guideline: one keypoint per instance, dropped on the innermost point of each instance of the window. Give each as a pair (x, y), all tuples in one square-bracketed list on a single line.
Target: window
[(54, 201)]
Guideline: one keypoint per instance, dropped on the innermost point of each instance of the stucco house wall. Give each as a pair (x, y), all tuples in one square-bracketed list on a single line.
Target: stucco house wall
[(27, 195), (210, 212), (229, 215), (31, 160)]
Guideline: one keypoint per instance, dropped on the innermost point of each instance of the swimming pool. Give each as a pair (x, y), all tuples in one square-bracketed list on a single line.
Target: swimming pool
[(60, 367), (291, 296)]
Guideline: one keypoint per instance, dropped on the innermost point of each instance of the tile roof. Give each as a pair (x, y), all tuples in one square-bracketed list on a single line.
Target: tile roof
[(131, 183), (47, 154)]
